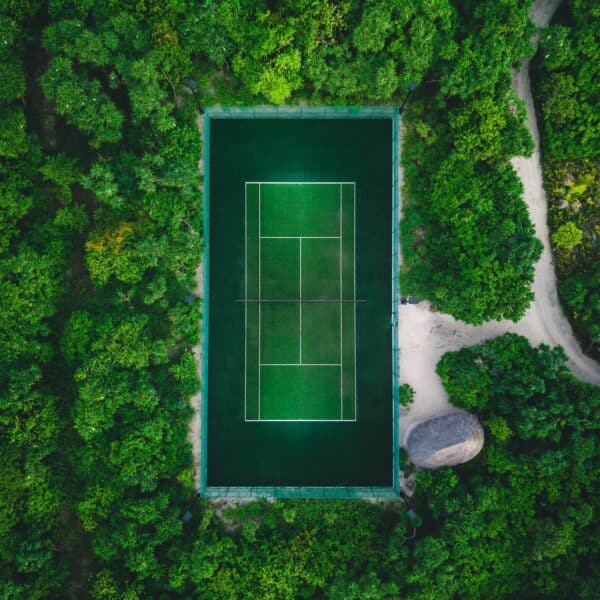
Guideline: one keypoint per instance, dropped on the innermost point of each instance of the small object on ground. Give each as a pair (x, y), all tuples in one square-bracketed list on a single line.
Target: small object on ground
[(193, 85), (409, 300), (411, 514), (187, 516), (189, 299), (450, 439)]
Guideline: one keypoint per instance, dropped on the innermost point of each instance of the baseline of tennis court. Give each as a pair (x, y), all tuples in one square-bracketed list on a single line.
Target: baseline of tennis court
[(300, 301)]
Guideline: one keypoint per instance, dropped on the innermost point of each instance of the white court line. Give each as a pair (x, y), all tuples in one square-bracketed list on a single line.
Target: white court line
[(300, 290), (259, 183), (355, 304), (301, 182), (259, 296), (341, 317), (298, 237), (300, 365), (246, 303), (300, 420)]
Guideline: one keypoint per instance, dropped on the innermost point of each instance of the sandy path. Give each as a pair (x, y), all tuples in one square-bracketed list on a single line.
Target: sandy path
[(195, 424), (426, 335), (545, 315)]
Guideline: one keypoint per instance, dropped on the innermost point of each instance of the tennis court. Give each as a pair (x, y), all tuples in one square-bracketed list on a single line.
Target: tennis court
[(300, 305), (299, 387)]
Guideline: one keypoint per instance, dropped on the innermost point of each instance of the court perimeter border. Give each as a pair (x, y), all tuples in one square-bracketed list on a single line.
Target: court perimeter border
[(304, 112)]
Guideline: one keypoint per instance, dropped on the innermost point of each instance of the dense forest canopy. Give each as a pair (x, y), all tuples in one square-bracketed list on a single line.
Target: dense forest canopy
[(100, 236), (567, 72)]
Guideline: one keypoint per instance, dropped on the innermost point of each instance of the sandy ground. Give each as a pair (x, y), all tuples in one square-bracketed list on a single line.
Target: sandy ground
[(426, 335), (195, 425)]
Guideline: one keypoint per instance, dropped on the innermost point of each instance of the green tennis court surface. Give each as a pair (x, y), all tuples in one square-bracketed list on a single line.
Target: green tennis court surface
[(300, 319), (298, 313)]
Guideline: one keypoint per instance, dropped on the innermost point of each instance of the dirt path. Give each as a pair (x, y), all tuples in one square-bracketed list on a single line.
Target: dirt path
[(545, 314), (195, 424), (425, 335)]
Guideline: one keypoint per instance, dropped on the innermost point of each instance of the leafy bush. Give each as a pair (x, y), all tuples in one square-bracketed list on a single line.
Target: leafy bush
[(573, 187), (32, 265), (524, 506), (567, 92), (567, 83), (406, 394), (468, 243)]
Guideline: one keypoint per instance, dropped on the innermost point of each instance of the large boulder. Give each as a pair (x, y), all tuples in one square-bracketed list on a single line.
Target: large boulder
[(450, 439)]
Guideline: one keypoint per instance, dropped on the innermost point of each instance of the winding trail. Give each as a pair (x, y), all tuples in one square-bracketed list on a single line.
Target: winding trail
[(426, 335)]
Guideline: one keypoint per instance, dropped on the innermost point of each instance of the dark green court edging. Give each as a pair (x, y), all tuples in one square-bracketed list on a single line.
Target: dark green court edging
[(205, 310), (300, 492), (395, 300), (269, 112), (301, 112)]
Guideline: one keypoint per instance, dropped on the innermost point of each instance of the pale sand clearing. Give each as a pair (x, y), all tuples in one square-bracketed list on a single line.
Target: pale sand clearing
[(426, 335), (195, 424)]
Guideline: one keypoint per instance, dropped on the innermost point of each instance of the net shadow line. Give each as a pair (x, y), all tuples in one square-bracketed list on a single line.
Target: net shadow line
[(300, 365)]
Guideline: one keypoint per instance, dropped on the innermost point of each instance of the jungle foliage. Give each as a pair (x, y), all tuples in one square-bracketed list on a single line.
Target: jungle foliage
[(33, 250), (568, 86), (468, 243), (568, 95), (518, 521), (99, 244), (527, 504), (464, 121), (100, 236)]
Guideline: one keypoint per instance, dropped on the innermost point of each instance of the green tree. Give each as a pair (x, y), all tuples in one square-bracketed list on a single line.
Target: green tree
[(82, 102), (495, 37), (566, 91), (32, 253), (13, 141), (567, 236), (481, 247), (567, 88), (556, 45), (486, 129), (508, 508)]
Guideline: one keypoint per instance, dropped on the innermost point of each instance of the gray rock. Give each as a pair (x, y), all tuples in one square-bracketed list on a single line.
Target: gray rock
[(450, 439)]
